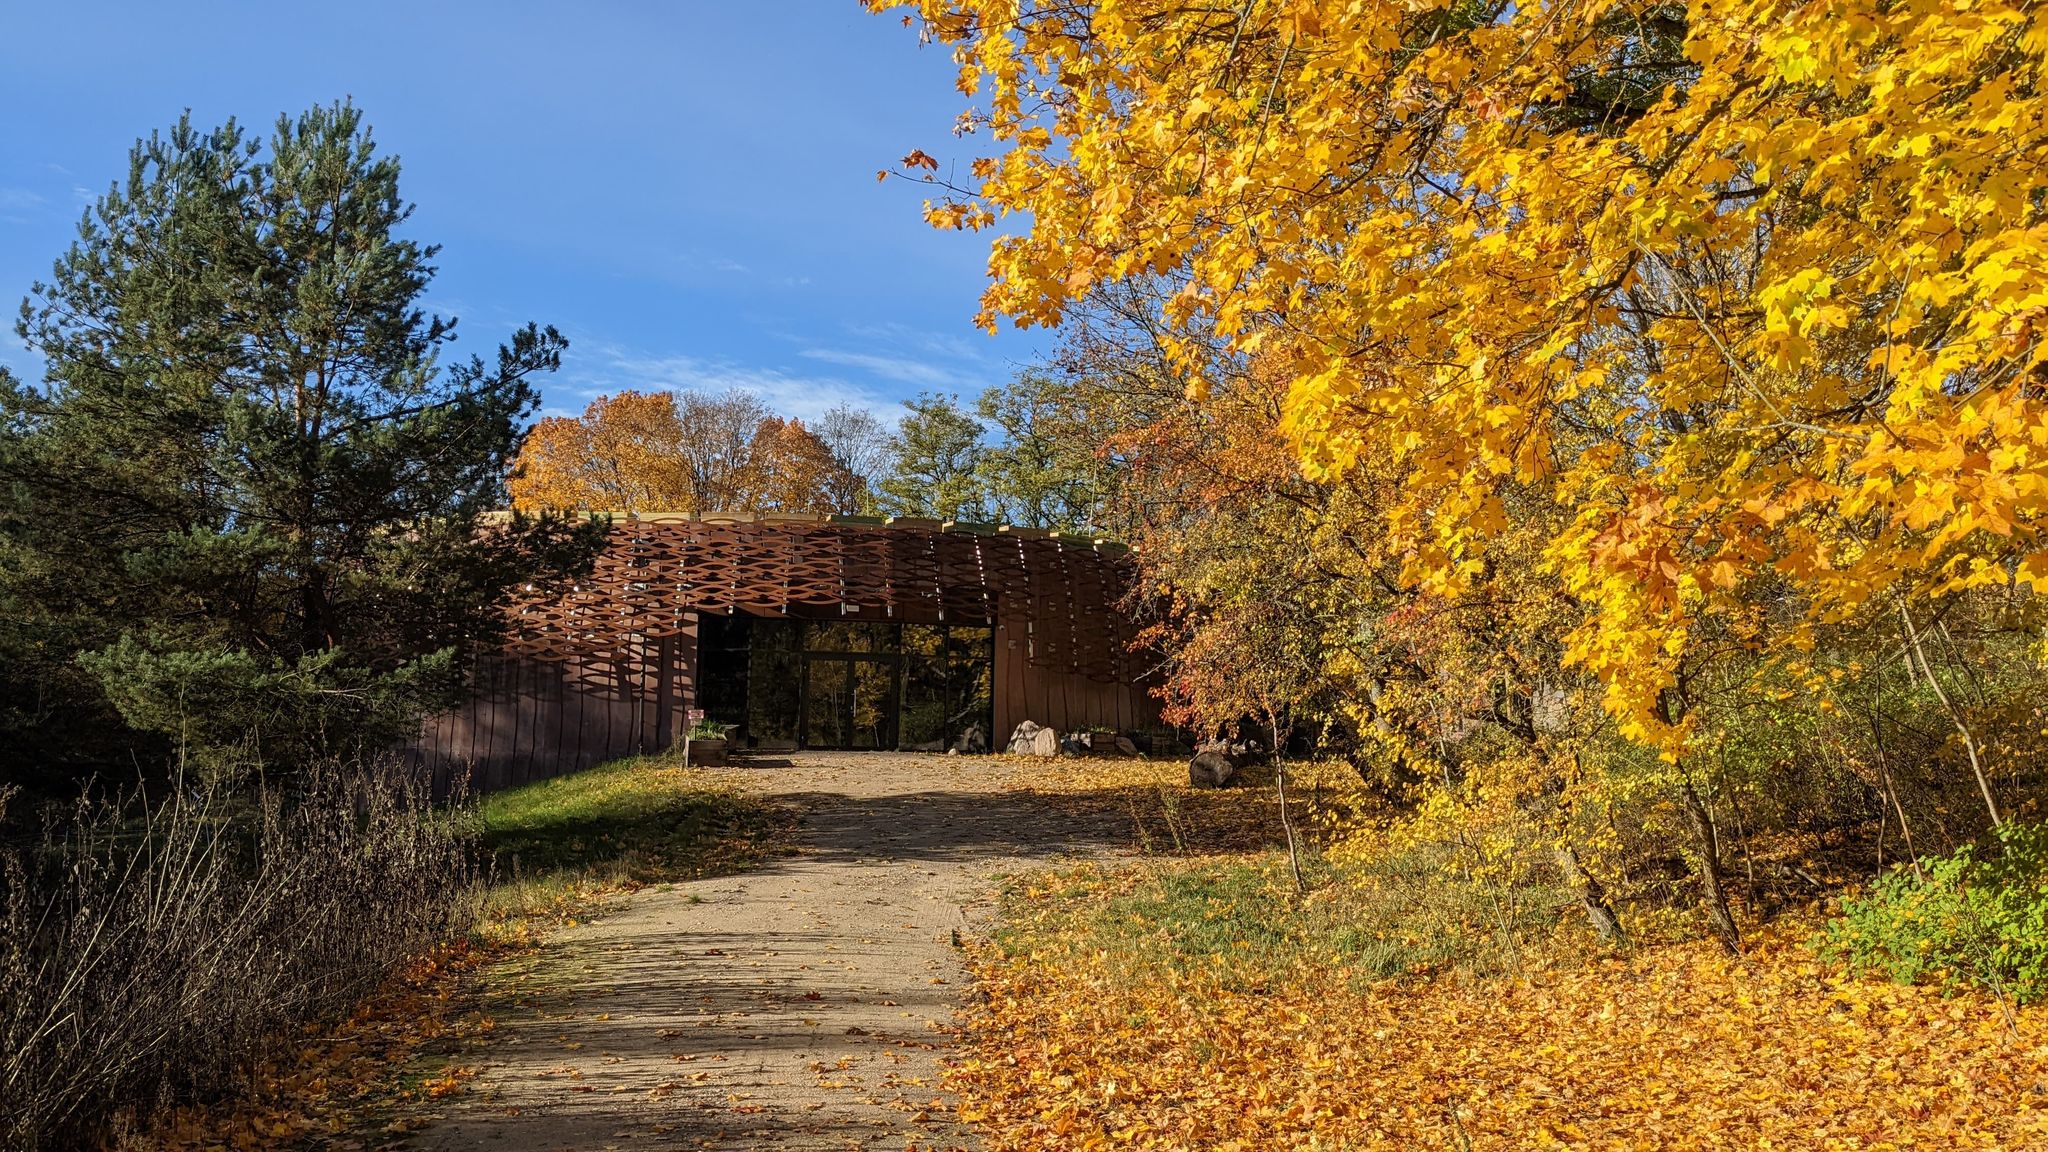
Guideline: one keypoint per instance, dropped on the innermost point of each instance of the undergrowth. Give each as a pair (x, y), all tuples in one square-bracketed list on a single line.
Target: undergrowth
[(1959, 920), (549, 853), (156, 951)]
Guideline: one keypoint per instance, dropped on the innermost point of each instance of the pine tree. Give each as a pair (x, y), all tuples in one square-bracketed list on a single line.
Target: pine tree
[(245, 507)]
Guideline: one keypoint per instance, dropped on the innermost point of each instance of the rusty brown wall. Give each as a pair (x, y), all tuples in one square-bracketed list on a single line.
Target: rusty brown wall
[(530, 719), (1065, 697)]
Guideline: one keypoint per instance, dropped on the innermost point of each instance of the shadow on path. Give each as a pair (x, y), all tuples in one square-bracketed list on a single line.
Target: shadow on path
[(806, 1004)]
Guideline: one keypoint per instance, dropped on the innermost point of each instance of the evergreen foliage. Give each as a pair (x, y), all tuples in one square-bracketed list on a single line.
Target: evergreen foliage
[(245, 506)]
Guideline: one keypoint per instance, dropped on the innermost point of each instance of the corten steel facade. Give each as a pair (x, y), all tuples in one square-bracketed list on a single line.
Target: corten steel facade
[(803, 632)]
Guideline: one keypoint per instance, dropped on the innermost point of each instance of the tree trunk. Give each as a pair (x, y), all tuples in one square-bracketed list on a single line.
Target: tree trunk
[(1280, 783), (1891, 792), (1718, 914), (1954, 716), (1591, 893)]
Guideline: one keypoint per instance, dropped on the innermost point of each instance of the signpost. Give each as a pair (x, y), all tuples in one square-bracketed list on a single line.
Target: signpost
[(690, 718)]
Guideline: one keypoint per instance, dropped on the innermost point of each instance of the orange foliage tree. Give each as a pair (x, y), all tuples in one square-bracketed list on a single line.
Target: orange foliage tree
[(679, 452)]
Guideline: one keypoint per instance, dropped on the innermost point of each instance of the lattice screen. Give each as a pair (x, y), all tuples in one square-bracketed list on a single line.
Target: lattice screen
[(1061, 590)]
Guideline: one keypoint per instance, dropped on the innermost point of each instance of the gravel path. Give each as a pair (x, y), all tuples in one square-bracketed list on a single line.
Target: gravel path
[(803, 1005)]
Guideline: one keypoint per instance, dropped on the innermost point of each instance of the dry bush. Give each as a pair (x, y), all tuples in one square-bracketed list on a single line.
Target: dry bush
[(153, 949)]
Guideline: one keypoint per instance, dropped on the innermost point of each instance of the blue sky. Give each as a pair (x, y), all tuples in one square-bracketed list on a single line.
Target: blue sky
[(686, 189)]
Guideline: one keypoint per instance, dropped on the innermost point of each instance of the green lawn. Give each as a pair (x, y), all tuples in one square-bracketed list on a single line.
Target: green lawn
[(557, 844)]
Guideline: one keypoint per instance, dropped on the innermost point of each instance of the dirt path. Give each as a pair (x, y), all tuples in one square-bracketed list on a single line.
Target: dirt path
[(802, 1005)]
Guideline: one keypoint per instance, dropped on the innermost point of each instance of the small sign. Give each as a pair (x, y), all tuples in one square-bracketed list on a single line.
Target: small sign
[(693, 714)]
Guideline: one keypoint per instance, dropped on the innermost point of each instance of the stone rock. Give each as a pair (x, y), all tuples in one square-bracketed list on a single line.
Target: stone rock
[(1126, 745), (1217, 762), (1550, 709), (973, 742), (1211, 770), (1033, 739)]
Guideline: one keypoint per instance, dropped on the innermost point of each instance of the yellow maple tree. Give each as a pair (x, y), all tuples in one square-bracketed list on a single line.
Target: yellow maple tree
[(624, 453), (1756, 289)]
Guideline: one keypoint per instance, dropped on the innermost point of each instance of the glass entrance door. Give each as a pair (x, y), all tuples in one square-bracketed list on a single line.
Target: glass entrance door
[(877, 686), (850, 701), (828, 702)]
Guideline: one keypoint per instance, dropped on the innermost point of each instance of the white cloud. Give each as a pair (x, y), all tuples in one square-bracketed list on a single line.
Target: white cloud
[(929, 343), (867, 367), (612, 369), (898, 368), (16, 204)]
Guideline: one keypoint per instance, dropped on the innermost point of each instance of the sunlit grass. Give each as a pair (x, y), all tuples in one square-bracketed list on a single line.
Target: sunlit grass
[(1237, 918), (560, 847)]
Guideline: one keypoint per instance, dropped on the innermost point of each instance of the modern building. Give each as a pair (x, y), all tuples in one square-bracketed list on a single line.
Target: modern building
[(805, 632)]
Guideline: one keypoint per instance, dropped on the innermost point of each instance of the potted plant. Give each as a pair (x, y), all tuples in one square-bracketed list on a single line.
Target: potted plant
[(1097, 740), (704, 743)]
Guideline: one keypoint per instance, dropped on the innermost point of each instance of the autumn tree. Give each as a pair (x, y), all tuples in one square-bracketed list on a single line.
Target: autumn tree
[(680, 452), (1717, 328), (716, 443), (790, 469), (862, 452), (625, 452), (1610, 246)]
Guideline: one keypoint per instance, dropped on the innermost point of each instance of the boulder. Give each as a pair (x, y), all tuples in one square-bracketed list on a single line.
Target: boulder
[(1211, 770), (1033, 739), (1126, 745), (1217, 762)]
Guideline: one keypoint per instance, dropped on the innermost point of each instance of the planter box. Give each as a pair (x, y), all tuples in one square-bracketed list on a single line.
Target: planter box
[(707, 753), (1098, 744)]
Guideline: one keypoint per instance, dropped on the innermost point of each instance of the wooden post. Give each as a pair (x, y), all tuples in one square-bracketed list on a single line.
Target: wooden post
[(665, 694)]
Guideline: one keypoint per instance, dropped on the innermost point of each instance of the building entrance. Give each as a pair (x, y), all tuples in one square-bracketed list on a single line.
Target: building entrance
[(842, 684), (849, 701)]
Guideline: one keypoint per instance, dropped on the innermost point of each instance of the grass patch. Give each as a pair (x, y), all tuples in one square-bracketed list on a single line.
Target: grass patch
[(1238, 921), (559, 846)]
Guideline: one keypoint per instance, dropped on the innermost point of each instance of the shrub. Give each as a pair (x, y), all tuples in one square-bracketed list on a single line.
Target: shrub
[(153, 950), (1959, 920)]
